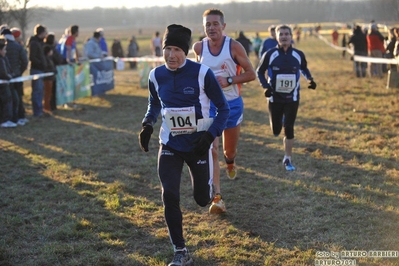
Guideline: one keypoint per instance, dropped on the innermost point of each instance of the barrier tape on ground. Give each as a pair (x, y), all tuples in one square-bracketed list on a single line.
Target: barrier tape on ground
[(26, 78), (359, 58)]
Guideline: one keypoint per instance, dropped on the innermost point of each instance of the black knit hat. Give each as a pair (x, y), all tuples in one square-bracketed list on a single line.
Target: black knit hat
[(177, 35), (6, 32)]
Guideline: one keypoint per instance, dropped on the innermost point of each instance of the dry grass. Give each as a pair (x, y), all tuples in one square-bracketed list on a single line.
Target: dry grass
[(77, 190)]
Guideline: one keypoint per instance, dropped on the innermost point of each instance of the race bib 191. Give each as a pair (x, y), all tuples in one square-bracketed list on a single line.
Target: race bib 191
[(285, 83)]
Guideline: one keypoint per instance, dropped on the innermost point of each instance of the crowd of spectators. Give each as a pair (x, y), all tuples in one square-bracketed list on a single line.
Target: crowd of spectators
[(45, 52)]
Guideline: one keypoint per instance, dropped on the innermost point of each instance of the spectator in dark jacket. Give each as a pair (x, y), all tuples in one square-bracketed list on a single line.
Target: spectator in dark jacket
[(5, 94), (18, 59), (245, 42), (396, 48), (390, 47), (359, 42), (57, 60), (117, 50), (37, 66)]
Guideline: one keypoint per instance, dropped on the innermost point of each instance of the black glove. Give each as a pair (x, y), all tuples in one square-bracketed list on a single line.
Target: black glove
[(203, 143), (268, 91), (145, 136), (312, 85)]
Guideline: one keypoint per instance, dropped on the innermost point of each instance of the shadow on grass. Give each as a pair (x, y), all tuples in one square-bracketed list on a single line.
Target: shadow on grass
[(95, 194), (326, 204), (46, 221), (101, 203)]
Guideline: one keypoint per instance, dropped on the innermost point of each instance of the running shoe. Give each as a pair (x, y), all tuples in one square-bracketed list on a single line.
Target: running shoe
[(22, 121), (182, 258), (217, 205), (8, 124), (231, 170), (288, 166)]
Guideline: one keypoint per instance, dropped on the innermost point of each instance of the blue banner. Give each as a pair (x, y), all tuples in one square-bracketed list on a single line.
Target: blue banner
[(102, 73)]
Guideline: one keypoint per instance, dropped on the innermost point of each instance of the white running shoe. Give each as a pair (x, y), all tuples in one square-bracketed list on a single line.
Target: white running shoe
[(8, 124)]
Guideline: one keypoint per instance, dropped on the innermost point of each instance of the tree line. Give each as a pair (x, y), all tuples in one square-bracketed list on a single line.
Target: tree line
[(239, 13)]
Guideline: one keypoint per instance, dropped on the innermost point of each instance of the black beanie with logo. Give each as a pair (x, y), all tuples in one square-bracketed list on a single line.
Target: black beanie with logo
[(177, 35)]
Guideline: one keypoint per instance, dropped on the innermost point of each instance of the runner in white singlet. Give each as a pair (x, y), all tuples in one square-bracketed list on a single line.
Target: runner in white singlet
[(229, 61)]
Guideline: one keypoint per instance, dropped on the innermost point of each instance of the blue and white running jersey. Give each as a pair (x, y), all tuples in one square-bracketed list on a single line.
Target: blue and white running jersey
[(183, 98)]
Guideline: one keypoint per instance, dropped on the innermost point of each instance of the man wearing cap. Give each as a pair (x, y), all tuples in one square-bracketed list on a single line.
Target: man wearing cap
[(103, 42), (181, 90), (38, 65), (16, 32)]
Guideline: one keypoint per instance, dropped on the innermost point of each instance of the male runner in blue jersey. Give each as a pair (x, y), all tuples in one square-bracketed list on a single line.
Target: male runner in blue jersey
[(181, 91), (278, 72)]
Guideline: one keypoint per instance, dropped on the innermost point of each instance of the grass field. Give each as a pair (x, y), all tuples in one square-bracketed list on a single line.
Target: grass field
[(77, 190)]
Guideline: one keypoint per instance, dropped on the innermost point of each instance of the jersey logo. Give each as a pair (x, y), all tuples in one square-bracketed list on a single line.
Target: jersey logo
[(166, 152), (188, 90)]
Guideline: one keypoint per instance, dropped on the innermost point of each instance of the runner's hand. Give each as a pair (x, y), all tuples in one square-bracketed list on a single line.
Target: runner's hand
[(145, 136), (312, 85), (203, 143), (268, 91)]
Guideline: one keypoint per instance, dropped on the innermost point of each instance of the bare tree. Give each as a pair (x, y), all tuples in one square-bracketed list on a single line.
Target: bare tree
[(5, 17), (22, 15)]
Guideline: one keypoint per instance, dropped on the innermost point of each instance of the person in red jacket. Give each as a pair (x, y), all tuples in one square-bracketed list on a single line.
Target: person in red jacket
[(375, 47), (335, 36)]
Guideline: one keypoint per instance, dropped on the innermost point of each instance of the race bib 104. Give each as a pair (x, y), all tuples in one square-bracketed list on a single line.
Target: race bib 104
[(180, 120)]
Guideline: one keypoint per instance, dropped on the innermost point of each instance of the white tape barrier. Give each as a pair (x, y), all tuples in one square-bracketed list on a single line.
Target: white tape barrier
[(359, 58), (125, 59), (340, 48), (144, 59), (141, 59), (375, 60), (156, 59), (26, 78)]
